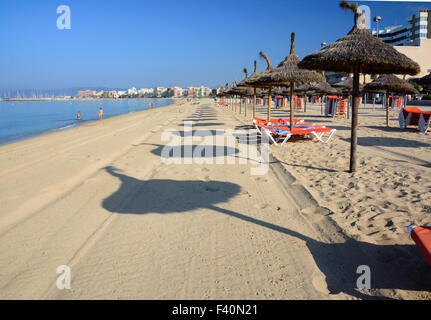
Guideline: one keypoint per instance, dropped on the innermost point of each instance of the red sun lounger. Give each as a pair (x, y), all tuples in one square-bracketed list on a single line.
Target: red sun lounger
[(413, 116), (278, 133), (257, 122), (422, 237)]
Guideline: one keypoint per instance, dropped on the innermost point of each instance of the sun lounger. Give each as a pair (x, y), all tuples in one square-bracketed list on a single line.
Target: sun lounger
[(413, 116), (278, 133), (263, 122), (422, 237)]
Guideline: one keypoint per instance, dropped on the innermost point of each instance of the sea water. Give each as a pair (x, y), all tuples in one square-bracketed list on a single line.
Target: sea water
[(24, 119)]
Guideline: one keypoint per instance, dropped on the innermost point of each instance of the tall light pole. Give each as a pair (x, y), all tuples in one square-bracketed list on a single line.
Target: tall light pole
[(377, 19)]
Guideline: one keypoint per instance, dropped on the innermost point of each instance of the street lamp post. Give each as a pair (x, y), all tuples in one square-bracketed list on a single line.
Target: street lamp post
[(377, 19)]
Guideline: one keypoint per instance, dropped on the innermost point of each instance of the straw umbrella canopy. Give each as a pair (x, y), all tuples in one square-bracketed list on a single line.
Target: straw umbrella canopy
[(254, 81), (359, 52), (287, 74), (389, 83), (249, 90), (246, 83)]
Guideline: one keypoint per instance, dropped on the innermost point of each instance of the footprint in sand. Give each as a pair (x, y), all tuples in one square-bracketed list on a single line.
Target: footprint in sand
[(259, 179), (260, 206)]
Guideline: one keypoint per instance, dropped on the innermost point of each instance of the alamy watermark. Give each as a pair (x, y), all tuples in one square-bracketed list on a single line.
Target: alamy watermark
[(64, 18), (216, 147), (64, 279), (364, 280)]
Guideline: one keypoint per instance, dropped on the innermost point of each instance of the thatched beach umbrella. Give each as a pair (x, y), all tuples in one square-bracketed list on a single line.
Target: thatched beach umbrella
[(287, 74), (246, 90), (425, 81), (254, 81), (359, 52), (389, 83), (248, 82), (319, 88)]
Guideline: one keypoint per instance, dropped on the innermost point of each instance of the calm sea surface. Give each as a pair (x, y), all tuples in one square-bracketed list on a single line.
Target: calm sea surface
[(23, 119)]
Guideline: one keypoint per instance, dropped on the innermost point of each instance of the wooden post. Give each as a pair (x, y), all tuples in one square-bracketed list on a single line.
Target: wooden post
[(240, 104), (245, 107), (254, 103), (348, 107), (354, 134), (292, 89), (268, 116), (305, 103), (387, 109), (321, 105)]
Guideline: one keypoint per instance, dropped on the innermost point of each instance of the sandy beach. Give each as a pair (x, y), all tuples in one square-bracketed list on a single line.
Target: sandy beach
[(99, 199)]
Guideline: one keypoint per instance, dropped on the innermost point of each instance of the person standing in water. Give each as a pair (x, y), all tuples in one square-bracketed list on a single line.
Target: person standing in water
[(79, 115), (100, 113)]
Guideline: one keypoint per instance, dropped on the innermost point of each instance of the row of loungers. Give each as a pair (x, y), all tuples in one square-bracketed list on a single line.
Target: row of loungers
[(412, 116), (279, 130)]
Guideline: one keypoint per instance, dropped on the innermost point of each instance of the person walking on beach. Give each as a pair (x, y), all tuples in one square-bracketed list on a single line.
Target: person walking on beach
[(100, 113), (79, 115)]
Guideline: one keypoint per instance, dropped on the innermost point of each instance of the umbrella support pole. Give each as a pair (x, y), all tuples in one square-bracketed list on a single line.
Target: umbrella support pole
[(245, 107), (354, 135), (292, 89), (348, 107), (268, 116), (254, 103), (305, 103), (321, 106), (240, 104), (387, 110)]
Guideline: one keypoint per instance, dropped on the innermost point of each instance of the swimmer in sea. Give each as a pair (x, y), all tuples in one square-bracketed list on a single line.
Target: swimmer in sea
[(100, 113), (78, 116)]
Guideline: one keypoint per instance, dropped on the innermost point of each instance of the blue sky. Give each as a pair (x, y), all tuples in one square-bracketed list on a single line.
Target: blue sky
[(141, 43)]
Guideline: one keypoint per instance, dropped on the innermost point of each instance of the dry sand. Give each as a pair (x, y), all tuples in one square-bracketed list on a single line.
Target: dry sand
[(98, 199)]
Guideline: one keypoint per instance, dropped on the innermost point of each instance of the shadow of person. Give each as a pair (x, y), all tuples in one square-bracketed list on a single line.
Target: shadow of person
[(392, 266)]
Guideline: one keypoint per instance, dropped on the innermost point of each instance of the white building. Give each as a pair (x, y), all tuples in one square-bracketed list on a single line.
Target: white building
[(132, 91), (410, 34), (145, 91)]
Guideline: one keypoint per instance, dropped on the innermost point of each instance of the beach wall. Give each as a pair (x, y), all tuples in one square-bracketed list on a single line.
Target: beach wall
[(419, 103)]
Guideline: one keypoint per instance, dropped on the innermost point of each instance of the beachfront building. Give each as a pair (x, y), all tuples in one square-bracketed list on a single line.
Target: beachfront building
[(417, 29), (121, 93), (175, 92), (145, 92), (412, 39), (85, 94), (132, 92), (199, 91), (158, 91)]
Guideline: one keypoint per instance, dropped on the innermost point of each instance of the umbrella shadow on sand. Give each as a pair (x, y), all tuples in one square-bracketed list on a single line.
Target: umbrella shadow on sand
[(392, 266), (389, 142)]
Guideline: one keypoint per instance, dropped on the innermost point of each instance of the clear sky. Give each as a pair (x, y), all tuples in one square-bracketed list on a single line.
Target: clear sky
[(141, 43)]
